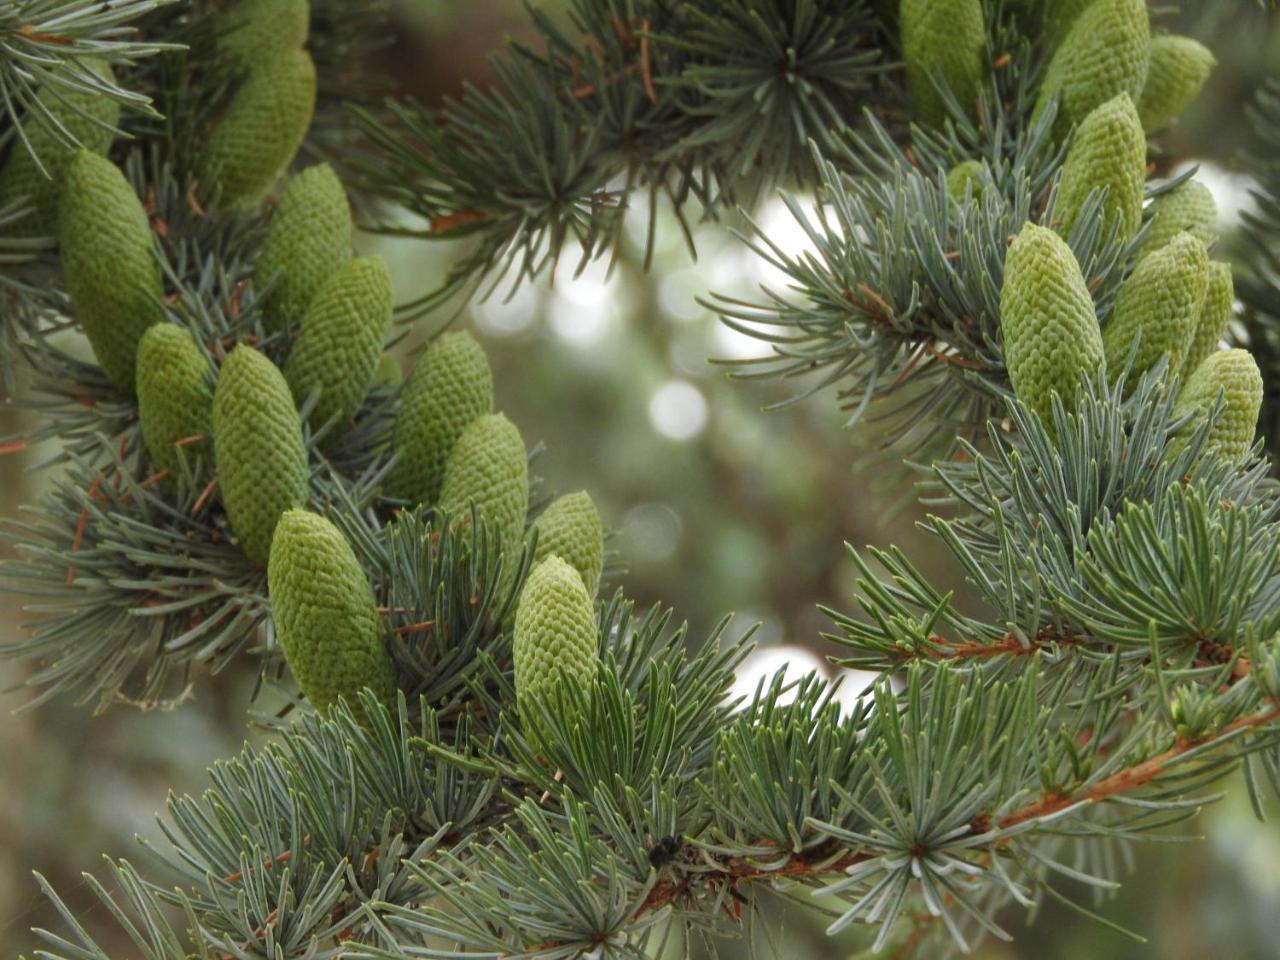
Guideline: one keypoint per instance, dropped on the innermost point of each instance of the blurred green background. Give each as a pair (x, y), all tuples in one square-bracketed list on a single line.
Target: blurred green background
[(716, 507)]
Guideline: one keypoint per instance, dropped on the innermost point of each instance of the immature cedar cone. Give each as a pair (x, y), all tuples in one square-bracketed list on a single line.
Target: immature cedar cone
[(450, 386), (1234, 375), (962, 175), (341, 340), (488, 467), (570, 528), (943, 41), (308, 240), (261, 130), (1103, 55), (1109, 153), (1215, 314), (88, 117), (325, 615), (258, 448), (175, 401), (1188, 207), (257, 31), (555, 640), (1178, 70), (1160, 300), (1047, 321), (108, 259)]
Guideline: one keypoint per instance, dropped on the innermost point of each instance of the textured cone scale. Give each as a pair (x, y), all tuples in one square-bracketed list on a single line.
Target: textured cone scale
[(1215, 314), (1103, 55), (109, 262), (966, 175), (257, 445), (1178, 70), (341, 340), (324, 613), (488, 467), (555, 639), (449, 387), (22, 176), (260, 30), (1161, 299), (261, 130), (175, 401), (946, 40), (570, 528), (1047, 321), (1234, 375), (1109, 153), (1189, 207), (308, 240)]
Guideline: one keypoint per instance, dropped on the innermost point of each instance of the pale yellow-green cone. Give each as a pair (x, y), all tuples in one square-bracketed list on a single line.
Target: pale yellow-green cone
[(93, 130), (325, 615), (1051, 339), (341, 340), (258, 448), (109, 262), (570, 529), (1232, 374), (308, 241), (556, 640), (1189, 207), (963, 176), (1215, 315), (947, 40), (1109, 152), (175, 400), (256, 31), (1178, 70), (1103, 55), (1160, 301)]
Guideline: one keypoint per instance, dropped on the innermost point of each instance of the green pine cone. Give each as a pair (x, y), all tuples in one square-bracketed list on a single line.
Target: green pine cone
[(943, 40), (325, 615), (962, 176), (1060, 17), (175, 400), (22, 176), (570, 528), (258, 31), (109, 261), (1109, 153), (1103, 55), (1234, 375), (308, 241), (258, 448), (556, 639), (449, 387), (488, 467), (1047, 321), (1189, 207), (1215, 315), (1179, 68), (1160, 300), (341, 340), (257, 137)]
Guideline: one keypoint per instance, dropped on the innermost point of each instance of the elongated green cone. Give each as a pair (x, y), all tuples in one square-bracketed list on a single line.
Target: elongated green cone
[(1234, 375), (1179, 68), (1189, 207), (556, 640), (450, 386), (946, 40), (257, 31), (1109, 153), (1061, 16), (175, 400), (963, 176), (325, 615), (109, 261), (341, 340), (1103, 55), (258, 448), (261, 130), (570, 529), (1047, 321), (308, 241), (1160, 301), (22, 176), (488, 467), (1215, 315)]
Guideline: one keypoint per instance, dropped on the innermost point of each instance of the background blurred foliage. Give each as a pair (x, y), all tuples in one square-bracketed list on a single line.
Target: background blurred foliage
[(715, 507)]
